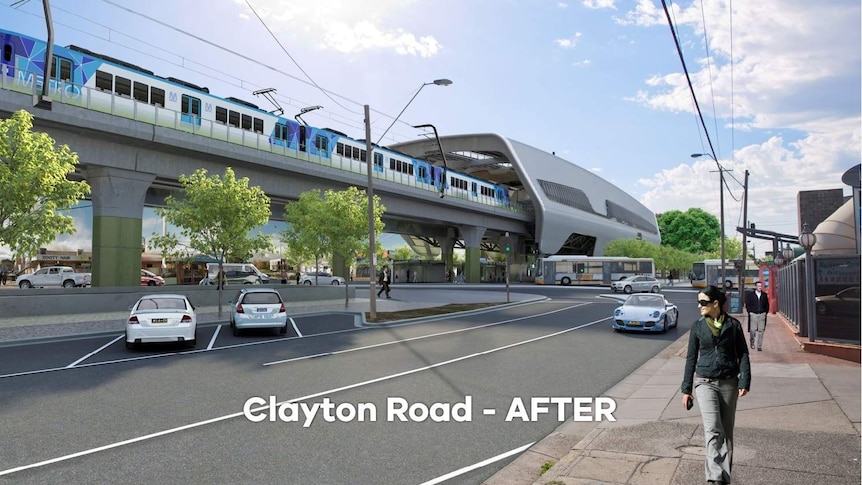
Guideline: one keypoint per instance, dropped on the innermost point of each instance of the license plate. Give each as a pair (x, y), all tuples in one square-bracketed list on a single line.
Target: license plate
[(634, 324), (159, 320), (261, 310)]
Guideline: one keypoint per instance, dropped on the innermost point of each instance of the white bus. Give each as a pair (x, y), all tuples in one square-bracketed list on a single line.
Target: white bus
[(590, 270), (708, 272)]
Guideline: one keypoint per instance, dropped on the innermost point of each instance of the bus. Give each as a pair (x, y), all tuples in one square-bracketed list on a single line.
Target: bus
[(708, 272), (590, 270)]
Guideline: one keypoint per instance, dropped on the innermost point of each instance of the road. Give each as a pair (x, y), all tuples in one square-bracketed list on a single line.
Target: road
[(88, 411)]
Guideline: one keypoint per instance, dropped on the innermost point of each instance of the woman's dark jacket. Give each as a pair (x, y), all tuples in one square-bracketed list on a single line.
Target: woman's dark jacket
[(724, 357)]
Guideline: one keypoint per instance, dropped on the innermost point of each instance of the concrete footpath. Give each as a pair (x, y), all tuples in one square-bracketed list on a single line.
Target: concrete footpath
[(799, 425)]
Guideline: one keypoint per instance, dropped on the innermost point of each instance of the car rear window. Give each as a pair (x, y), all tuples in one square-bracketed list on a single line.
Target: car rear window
[(261, 298), (162, 304)]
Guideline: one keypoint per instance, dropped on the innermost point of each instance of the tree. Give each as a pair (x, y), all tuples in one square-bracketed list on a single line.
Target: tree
[(403, 253), (666, 258), (693, 231), (335, 224), (216, 215), (34, 187)]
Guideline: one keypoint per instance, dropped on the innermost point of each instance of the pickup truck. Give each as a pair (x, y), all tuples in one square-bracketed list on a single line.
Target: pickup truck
[(64, 276)]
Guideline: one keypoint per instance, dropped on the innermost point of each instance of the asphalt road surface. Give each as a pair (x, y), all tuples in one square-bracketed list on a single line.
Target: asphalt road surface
[(413, 404)]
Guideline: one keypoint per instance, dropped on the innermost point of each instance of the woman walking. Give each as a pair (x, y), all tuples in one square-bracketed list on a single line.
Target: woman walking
[(718, 369)]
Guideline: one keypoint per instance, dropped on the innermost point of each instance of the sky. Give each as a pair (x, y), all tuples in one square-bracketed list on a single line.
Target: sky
[(598, 82)]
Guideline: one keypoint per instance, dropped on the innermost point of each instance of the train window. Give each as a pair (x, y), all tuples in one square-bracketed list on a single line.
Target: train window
[(221, 116), (246, 122), (7, 53), (142, 92), (190, 105), (362, 155), (339, 148), (61, 68), (157, 97), (257, 125), (104, 81), (378, 160), (302, 135), (409, 169), (280, 131), (355, 153), (391, 164), (123, 86), (473, 187), (322, 143), (423, 172), (233, 118)]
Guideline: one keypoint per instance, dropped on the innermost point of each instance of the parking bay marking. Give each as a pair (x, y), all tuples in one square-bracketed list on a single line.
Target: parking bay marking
[(295, 328), (73, 364), (212, 340), (289, 401), (476, 466)]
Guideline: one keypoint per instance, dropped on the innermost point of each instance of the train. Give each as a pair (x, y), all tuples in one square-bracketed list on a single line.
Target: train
[(99, 82)]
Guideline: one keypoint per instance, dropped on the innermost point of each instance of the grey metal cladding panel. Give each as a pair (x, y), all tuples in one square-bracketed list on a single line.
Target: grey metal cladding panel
[(569, 196), (620, 213)]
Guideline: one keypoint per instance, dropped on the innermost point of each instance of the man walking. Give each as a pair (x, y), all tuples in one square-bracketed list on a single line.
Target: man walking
[(384, 281), (757, 305)]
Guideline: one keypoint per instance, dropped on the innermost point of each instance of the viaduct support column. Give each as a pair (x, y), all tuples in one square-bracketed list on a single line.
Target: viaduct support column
[(447, 248), (118, 209), (473, 252)]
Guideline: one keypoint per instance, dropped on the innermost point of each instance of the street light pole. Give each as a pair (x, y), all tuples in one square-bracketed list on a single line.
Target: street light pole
[(372, 254), (442, 154), (437, 82), (721, 171)]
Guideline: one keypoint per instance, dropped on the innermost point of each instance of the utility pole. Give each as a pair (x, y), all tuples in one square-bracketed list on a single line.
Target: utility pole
[(744, 237), (43, 100), (372, 254)]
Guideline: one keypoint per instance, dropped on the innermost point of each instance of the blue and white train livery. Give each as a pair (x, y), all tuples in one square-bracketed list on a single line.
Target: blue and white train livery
[(97, 82)]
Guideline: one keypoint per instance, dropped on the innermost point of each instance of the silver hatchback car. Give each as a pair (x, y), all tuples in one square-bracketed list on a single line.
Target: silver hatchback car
[(637, 283), (258, 308)]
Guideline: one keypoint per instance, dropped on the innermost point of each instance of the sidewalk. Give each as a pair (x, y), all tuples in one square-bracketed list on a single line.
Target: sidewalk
[(799, 425)]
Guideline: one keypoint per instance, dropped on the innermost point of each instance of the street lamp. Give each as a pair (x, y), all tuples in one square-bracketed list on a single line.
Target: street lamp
[(721, 207), (807, 240), (787, 253), (437, 82), (442, 154), (369, 159)]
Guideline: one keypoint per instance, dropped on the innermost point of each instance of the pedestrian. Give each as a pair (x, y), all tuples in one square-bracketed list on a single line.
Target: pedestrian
[(283, 274), (298, 276), (757, 305), (384, 279), (718, 370), (205, 281), (408, 275), (4, 275)]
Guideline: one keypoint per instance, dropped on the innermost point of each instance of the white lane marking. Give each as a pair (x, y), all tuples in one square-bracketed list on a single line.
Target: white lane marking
[(298, 399), (212, 340), (448, 332), (73, 364), (295, 328), (476, 466)]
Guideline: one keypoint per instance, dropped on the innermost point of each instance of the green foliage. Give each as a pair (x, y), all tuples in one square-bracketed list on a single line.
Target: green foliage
[(216, 215), (693, 231), (545, 467), (666, 258), (34, 187), (402, 253), (335, 224), (732, 250)]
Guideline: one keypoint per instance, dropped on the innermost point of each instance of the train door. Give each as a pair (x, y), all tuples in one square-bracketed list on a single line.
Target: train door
[(302, 136), (191, 110), (8, 56)]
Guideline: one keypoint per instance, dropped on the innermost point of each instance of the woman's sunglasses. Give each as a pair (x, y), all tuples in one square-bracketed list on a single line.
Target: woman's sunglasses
[(704, 302)]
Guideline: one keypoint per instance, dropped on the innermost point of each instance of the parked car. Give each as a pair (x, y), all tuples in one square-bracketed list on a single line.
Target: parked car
[(258, 308), (161, 318), (247, 268), (320, 278), (637, 283), (240, 277), (845, 303), (151, 279), (64, 276), (645, 313)]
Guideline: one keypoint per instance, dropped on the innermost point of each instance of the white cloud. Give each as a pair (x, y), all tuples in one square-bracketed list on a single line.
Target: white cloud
[(585, 62), (562, 5), (646, 13), (597, 4), (568, 43), (349, 27)]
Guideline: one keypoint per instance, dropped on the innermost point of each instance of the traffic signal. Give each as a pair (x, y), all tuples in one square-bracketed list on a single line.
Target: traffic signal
[(507, 248)]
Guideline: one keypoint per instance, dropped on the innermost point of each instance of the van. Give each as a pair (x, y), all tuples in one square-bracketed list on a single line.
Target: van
[(235, 271)]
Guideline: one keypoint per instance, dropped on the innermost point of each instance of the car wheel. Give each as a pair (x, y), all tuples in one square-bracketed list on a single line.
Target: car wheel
[(307, 282), (68, 284), (335, 283), (191, 343), (655, 289), (283, 330), (566, 281), (664, 324), (151, 283), (627, 289), (821, 308), (129, 345), (728, 285), (25, 284), (234, 329)]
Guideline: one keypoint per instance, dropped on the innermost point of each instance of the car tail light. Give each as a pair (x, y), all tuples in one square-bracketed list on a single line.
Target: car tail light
[(133, 320), (282, 309), (239, 308), (186, 319)]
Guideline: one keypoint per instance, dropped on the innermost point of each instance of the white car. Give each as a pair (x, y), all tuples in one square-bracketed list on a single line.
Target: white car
[(320, 278), (637, 283), (64, 276), (161, 318)]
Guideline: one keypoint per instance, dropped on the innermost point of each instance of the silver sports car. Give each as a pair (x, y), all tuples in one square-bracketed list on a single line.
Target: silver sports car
[(646, 313)]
